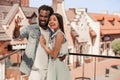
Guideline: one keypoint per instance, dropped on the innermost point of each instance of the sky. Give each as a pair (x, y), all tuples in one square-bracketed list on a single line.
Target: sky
[(91, 5)]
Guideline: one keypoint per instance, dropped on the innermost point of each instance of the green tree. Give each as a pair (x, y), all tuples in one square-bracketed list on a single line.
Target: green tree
[(115, 45)]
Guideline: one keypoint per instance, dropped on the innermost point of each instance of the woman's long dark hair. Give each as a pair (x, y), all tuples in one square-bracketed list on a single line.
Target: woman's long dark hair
[(60, 21)]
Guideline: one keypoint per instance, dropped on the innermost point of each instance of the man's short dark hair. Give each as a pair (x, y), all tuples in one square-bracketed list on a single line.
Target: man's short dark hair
[(46, 7)]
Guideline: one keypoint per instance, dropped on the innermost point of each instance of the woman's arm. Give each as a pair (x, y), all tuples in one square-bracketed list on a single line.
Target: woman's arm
[(58, 42)]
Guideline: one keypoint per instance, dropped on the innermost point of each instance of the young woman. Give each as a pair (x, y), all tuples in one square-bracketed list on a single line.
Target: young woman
[(57, 70)]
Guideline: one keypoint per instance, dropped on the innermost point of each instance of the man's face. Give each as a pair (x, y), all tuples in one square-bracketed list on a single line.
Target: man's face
[(43, 18)]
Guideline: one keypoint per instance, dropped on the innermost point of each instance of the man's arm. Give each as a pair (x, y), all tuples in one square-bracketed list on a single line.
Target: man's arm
[(16, 31)]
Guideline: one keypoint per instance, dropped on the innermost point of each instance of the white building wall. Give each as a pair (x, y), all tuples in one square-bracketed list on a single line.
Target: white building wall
[(81, 25), (96, 27), (96, 45)]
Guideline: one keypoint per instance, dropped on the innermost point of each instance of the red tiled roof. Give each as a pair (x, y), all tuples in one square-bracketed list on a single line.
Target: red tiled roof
[(107, 32), (110, 23)]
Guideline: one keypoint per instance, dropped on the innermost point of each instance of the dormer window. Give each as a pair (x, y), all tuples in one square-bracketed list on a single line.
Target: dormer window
[(118, 20), (112, 21), (101, 21)]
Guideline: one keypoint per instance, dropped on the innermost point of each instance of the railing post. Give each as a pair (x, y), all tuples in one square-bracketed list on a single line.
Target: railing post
[(95, 69), (2, 64), (2, 70), (83, 69)]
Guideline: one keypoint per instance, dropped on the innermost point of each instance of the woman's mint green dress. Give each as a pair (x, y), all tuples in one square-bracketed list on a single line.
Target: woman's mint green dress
[(57, 70)]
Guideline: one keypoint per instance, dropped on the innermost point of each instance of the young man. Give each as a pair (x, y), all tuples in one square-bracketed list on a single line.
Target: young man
[(35, 59)]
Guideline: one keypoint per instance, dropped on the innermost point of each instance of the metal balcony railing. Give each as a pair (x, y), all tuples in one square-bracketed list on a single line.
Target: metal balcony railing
[(4, 63), (95, 67), (86, 67), (8, 55)]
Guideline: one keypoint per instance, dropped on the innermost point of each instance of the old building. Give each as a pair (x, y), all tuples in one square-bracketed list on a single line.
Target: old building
[(4, 41), (12, 2), (9, 13)]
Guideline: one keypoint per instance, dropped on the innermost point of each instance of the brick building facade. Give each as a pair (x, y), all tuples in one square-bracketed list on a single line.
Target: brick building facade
[(11, 2)]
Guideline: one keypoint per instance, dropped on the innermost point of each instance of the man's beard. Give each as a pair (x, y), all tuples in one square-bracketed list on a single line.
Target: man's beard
[(44, 26)]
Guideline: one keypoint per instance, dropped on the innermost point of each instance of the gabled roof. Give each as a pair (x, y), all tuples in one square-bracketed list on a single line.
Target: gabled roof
[(28, 11), (5, 10), (32, 15), (3, 35), (11, 14), (7, 13)]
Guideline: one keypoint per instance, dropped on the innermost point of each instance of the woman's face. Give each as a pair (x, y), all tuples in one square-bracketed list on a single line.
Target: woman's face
[(53, 23)]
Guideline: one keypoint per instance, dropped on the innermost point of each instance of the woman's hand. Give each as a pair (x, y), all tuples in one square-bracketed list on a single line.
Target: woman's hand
[(42, 40)]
